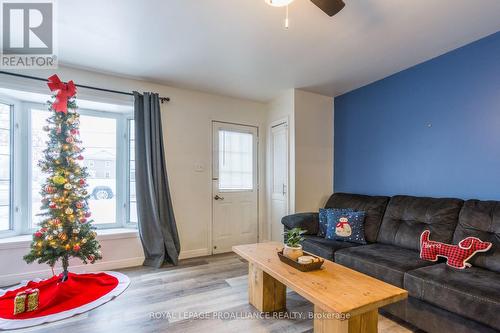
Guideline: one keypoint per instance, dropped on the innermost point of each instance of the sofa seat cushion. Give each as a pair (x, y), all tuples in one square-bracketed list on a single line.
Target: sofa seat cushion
[(323, 247), (473, 293), (384, 262)]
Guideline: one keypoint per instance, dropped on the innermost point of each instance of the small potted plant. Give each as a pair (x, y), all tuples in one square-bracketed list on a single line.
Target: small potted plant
[(293, 249)]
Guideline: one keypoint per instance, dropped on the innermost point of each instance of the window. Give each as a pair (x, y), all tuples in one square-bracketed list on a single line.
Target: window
[(38, 143), (105, 137), (5, 166), (235, 160), (99, 137)]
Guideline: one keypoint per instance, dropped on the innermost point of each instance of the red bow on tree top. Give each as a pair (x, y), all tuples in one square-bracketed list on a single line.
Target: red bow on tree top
[(64, 92)]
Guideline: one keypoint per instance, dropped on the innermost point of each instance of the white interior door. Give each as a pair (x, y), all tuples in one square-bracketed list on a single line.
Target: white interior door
[(235, 186), (279, 179)]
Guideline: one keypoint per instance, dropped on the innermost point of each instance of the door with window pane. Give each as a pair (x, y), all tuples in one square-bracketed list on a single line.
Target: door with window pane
[(235, 186)]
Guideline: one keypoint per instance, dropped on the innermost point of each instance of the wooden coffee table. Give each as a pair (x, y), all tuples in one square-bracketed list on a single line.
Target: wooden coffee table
[(344, 300)]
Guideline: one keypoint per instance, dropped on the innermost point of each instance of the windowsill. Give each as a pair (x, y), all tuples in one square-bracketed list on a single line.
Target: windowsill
[(102, 234)]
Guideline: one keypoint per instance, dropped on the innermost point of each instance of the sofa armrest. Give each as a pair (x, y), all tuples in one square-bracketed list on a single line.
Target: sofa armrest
[(305, 221)]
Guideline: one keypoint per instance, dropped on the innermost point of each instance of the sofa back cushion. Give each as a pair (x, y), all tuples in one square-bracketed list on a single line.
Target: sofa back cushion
[(481, 219), (407, 217), (373, 206)]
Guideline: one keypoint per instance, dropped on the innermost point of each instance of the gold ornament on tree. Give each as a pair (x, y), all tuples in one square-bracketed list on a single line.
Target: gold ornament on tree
[(59, 180)]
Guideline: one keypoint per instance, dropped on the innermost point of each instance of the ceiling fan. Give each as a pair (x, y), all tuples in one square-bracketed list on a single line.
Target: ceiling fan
[(330, 7)]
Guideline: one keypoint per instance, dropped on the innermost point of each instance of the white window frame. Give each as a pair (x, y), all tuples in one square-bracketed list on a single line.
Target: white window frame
[(21, 168), (14, 164), (247, 129), (129, 118)]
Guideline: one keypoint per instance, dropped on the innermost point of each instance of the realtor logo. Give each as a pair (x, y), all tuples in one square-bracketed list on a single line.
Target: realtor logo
[(28, 35)]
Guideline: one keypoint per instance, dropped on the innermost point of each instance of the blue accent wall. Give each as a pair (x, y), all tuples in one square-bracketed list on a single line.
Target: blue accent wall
[(430, 130)]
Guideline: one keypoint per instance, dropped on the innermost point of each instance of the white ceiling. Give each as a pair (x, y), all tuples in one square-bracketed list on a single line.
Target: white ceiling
[(240, 48)]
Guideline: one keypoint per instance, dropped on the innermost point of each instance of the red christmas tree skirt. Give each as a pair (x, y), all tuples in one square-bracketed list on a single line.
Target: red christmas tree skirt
[(80, 293)]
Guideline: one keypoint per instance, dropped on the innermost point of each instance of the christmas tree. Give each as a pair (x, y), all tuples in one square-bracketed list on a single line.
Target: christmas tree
[(65, 229)]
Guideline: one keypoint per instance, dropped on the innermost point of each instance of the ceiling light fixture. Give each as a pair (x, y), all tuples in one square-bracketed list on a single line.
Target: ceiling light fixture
[(279, 3), (330, 7)]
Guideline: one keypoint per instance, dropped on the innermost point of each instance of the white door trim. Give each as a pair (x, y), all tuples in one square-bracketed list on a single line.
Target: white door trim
[(273, 124)]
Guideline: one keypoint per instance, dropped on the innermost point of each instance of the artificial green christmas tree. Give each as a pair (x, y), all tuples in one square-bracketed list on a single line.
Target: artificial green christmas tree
[(66, 228)]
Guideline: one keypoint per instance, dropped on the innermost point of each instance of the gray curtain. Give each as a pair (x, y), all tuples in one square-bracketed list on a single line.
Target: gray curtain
[(157, 227)]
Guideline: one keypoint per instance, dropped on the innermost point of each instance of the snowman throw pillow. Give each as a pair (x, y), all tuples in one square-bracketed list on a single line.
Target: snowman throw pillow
[(346, 226), (323, 218)]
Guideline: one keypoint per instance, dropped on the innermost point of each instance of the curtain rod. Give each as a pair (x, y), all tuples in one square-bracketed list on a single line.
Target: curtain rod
[(162, 99)]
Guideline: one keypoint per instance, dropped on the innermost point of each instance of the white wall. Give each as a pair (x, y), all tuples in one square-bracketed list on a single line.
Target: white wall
[(187, 132), (313, 150), (310, 120)]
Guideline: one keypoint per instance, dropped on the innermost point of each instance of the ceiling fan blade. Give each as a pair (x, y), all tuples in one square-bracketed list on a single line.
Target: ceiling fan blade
[(330, 7)]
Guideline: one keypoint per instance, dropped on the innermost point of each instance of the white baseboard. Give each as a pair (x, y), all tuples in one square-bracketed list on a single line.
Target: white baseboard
[(194, 253), (11, 279)]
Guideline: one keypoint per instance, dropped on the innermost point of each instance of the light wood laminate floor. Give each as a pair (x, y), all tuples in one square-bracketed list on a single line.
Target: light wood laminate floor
[(164, 300)]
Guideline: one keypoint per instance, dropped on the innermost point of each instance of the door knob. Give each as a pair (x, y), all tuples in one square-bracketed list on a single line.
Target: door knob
[(217, 197)]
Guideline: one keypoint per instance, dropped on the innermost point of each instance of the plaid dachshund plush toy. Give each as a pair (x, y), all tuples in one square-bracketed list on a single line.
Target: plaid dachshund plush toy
[(456, 255)]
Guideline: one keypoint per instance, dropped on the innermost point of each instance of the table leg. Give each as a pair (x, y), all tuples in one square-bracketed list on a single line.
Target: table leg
[(325, 322), (265, 292)]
